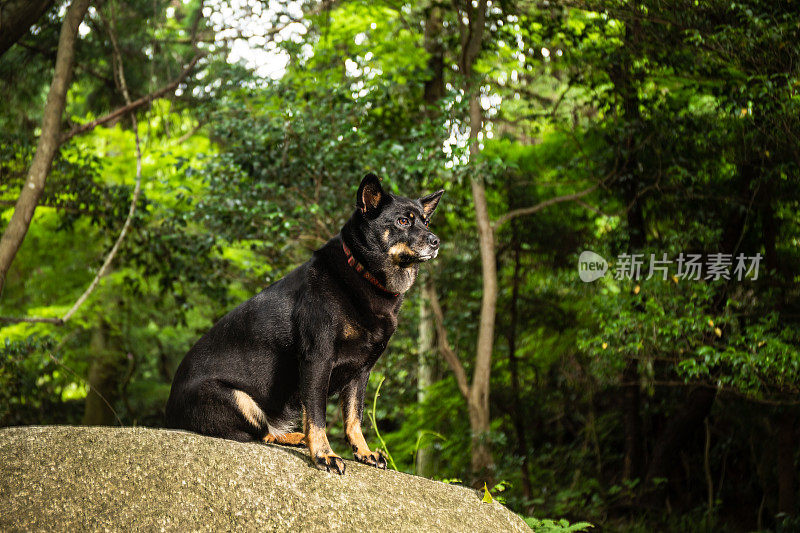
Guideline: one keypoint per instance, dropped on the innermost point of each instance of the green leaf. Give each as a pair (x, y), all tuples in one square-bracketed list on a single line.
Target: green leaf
[(487, 496)]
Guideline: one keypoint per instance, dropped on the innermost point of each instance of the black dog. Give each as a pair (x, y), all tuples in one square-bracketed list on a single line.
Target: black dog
[(315, 333)]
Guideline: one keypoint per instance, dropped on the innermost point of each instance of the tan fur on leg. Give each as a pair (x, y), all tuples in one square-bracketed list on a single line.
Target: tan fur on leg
[(287, 439), (352, 431), (320, 448), (249, 409), (352, 427)]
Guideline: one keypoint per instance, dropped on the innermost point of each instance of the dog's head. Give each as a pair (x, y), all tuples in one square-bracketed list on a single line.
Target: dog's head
[(391, 232)]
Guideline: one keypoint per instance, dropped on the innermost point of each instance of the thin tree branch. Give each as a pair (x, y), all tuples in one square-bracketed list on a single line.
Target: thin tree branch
[(136, 190), (447, 352), (80, 378), (592, 208), (541, 205), (83, 128), (63, 207), (189, 134), (34, 319)]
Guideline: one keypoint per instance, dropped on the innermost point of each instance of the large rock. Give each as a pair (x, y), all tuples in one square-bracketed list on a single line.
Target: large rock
[(79, 478)]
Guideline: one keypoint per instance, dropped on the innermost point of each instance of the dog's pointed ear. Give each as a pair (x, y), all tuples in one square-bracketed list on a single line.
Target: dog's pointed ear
[(370, 193), (430, 202)]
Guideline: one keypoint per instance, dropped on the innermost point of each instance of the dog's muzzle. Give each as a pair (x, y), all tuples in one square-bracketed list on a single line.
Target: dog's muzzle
[(433, 243)]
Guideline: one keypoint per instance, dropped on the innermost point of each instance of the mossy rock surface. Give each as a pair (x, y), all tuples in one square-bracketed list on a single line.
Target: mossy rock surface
[(79, 478)]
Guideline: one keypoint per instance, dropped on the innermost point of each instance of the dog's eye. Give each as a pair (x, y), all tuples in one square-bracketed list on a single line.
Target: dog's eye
[(425, 221), (403, 222)]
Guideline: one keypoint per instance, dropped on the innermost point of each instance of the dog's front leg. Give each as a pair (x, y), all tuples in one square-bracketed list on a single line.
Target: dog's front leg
[(315, 373), (352, 403)]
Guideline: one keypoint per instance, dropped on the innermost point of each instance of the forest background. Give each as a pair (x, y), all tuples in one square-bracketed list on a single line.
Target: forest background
[(163, 160)]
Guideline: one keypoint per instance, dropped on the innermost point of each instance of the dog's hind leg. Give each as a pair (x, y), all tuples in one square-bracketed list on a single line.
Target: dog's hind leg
[(214, 409)]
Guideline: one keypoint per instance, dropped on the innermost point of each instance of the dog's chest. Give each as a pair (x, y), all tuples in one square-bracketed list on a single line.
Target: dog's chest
[(362, 343)]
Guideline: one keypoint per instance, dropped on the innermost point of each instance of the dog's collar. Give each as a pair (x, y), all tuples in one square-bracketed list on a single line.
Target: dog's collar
[(358, 267)]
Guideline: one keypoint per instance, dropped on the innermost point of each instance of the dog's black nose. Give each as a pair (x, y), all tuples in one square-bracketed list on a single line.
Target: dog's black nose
[(433, 240)]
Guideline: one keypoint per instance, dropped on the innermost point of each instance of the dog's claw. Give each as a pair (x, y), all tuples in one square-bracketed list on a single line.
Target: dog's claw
[(330, 463), (376, 459)]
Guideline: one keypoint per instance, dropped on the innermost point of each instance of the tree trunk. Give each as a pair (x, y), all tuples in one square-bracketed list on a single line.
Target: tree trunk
[(478, 398), (681, 426), (104, 374), (482, 464), (631, 395), (628, 106), (787, 448), (516, 404), (49, 140), (16, 18), (632, 422), (424, 461), (479, 391), (434, 86)]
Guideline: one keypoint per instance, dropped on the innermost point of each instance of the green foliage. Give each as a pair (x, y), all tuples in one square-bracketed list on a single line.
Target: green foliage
[(684, 115), (21, 375), (375, 425), (546, 525)]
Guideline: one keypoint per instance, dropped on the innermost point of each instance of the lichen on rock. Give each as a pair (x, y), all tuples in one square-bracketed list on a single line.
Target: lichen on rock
[(80, 478)]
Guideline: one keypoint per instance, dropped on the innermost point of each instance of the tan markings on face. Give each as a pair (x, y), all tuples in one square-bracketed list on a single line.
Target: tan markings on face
[(249, 408), (386, 236), (399, 249), (352, 425)]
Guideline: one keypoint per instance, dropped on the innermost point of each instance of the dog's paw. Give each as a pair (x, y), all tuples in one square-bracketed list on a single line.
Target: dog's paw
[(375, 459), (329, 462)]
